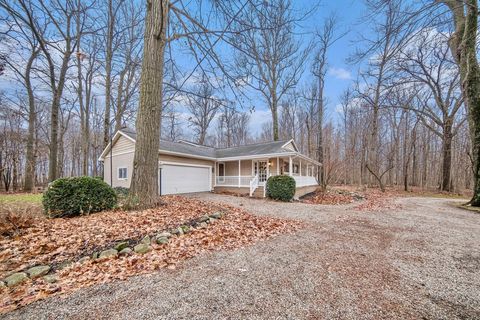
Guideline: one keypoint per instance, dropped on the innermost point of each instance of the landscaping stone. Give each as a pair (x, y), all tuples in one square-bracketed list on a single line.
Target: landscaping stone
[(162, 240), (211, 220), (95, 255), (142, 248), (125, 251), (185, 229), (164, 235), (202, 225), (2, 285), (120, 246), (216, 215), (178, 231), (204, 218), (146, 240), (108, 253), (50, 278), (15, 279), (64, 264), (38, 271), (84, 259)]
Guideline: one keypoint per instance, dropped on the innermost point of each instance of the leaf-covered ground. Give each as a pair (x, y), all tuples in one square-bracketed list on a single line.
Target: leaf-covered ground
[(54, 241)]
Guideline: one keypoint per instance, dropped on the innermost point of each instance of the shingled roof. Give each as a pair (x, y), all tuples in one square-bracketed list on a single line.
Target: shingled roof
[(184, 147)]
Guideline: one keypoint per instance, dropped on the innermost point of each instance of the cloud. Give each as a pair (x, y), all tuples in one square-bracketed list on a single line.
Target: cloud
[(340, 73)]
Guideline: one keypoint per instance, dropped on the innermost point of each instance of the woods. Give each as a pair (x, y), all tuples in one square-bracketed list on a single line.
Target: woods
[(229, 73)]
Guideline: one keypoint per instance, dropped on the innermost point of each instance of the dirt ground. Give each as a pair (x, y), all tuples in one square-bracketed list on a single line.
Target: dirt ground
[(420, 260)]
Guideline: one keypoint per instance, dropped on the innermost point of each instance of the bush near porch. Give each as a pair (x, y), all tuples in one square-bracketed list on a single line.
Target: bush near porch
[(281, 188)]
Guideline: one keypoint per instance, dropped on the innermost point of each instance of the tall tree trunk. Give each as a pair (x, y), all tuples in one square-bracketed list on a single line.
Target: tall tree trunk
[(108, 73), (30, 156), (464, 50), (446, 156), (144, 188), (274, 109)]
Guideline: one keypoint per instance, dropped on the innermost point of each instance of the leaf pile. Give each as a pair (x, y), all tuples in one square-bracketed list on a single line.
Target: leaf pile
[(52, 241), (332, 197), (235, 230), (377, 200)]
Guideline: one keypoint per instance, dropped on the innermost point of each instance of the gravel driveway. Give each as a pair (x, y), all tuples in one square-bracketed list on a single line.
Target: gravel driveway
[(418, 262)]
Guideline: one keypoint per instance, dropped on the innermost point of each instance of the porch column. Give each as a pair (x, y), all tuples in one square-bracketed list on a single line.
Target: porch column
[(300, 167), (239, 184), (278, 166), (215, 168), (290, 166)]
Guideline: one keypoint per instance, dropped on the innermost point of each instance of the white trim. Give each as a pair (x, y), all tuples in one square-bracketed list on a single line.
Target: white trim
[(118, 154), (114, 140), (118, 173), (186, 155), (293, 143), (258, 156)]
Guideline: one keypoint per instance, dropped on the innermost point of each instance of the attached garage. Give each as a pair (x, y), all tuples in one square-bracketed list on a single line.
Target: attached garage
[(185, 178)]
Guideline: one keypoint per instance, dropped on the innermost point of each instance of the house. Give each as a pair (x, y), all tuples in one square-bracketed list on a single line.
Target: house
[(187, 167)]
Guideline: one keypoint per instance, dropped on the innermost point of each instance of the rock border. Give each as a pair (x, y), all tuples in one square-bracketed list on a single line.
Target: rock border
[(124, 247)]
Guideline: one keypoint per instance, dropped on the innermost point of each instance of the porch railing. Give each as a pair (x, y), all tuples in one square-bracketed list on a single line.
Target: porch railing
[(233, 181), (303, 181), (253, 185)]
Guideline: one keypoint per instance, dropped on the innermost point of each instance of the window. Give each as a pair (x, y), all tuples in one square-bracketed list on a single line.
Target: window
[(122, 173)]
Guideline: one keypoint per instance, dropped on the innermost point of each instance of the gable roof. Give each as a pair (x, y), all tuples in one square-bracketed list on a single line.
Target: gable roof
[(189, 149)]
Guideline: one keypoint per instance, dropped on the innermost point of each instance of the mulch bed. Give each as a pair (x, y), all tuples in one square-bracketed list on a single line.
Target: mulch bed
[(56, 240)]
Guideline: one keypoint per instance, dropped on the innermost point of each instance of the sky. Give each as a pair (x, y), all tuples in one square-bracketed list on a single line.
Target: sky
[(340, 74)]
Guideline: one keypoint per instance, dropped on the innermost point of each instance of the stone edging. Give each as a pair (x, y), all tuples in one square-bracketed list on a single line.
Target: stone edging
[(121, 248)]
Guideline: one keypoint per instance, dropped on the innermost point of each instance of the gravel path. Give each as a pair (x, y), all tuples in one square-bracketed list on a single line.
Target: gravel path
[(418, 262)]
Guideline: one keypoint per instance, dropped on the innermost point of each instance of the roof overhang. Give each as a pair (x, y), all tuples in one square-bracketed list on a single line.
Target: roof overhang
[(119, 133), (112, 141)]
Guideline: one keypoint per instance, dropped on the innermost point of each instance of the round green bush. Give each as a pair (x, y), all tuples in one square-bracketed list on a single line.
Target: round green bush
[(121, 191), (281, 188), (68, 197)]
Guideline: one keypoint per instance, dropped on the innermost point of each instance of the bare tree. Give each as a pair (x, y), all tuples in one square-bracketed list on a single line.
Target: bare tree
[(463, 44), (203, 107), (324, 39), (269, 58)]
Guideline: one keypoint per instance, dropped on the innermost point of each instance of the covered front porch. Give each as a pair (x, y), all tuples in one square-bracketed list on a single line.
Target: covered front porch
[(250, 175)]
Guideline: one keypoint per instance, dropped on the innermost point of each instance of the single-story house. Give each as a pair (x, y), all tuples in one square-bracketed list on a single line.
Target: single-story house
[(187, 167)]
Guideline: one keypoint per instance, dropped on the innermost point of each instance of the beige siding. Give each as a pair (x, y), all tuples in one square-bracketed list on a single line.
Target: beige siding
[(123, 151), (290, 146), (231, 168)]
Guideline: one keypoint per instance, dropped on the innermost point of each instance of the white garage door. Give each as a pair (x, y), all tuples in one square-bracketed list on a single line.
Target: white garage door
[(185, 179)]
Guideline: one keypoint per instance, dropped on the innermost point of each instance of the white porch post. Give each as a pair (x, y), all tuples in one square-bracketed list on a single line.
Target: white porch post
[(278, 166), (300, 167), (239, 173), (215, 174), (290, 166)]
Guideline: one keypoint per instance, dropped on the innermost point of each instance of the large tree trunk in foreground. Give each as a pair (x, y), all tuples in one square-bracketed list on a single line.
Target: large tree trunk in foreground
[(30, 157), (144, 188), (463, 46), (447, 157)]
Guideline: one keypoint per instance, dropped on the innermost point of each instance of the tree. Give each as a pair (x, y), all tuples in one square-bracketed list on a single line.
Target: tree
[(426, 63), (144, 185), (268, 55), (203, 107), (463, 44), (324, 39)]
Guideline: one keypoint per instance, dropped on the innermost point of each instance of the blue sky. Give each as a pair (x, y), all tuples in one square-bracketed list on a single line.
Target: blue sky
[(340, 74)]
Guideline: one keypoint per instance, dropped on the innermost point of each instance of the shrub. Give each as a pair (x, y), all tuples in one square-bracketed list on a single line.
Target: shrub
[(68, 197), (121, 191), (281, 188)]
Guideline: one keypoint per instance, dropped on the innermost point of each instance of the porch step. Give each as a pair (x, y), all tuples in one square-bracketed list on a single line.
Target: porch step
[(258, 193)]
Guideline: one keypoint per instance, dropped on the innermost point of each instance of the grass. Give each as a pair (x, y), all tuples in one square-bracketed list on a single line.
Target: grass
[(27, 198)]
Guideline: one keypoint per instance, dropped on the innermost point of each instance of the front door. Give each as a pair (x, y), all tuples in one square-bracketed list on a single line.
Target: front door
[(261, 170)]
